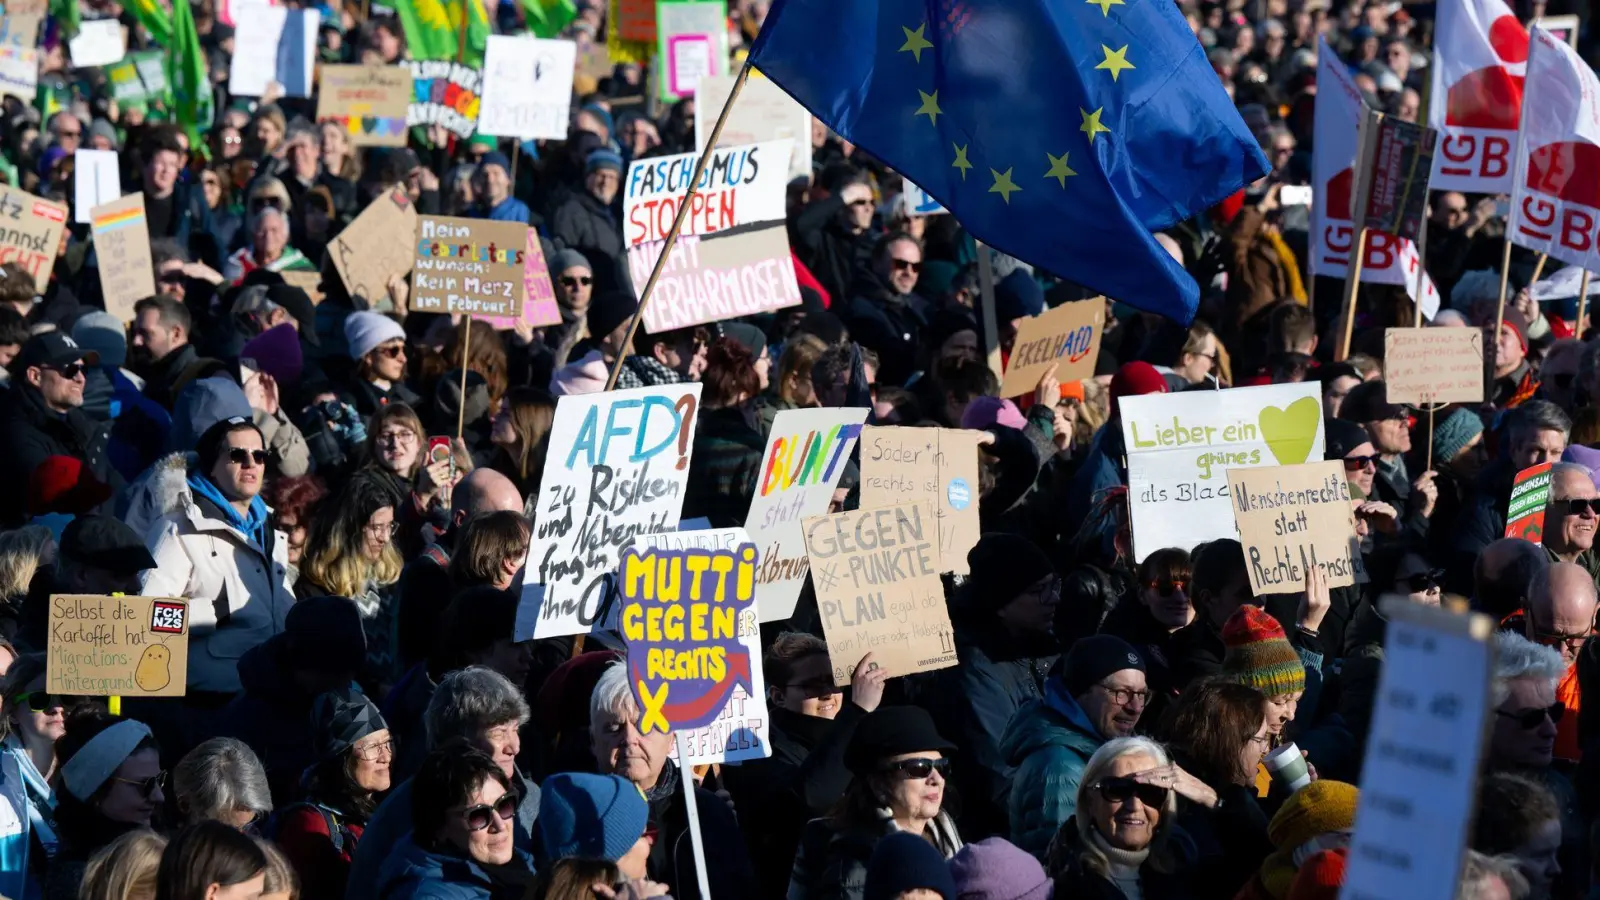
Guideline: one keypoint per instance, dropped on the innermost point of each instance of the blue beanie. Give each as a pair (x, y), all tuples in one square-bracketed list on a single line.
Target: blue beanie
[(604, 115), (588, 816), (905, 862), (1017, 296), (495, 158), (603, 159)]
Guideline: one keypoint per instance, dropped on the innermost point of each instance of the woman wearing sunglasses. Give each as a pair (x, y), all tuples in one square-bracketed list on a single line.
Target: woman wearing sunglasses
[(463, 811), (899, 766), (1147, 620), (31, 721), (110, 783), (1119, 842)]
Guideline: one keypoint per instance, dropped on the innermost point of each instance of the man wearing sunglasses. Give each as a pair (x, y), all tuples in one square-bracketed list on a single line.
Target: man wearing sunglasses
[(1561, 615), (41, 417), (1571, 515), (1389, 427), (884, 312), (833, 236)]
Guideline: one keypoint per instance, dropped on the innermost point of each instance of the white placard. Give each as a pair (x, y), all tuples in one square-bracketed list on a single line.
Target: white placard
[(527, 88), (921, 203), (19, 73), (274, 44), (807, 452), (742, 185), (763, 112), (1421, 771), (1181, 446), (96, 181), (99, 42), (617, 468)]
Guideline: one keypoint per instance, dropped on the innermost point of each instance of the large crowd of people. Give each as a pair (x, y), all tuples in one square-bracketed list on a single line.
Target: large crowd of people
[(360, 721)]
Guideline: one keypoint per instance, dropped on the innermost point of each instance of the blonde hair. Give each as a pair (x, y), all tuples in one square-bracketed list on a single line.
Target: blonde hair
[(20, 552), (281, 877), (334, 560), (126, 868)]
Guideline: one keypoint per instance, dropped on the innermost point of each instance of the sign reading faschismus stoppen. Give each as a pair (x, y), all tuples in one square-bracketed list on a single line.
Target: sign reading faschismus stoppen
[(1292, 518)]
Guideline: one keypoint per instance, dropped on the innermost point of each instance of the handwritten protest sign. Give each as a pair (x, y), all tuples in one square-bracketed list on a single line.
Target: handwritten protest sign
[(1067, 337), (1419, 781), (691, 44), (733, 259), (1181, 446), (1397, 185), (938, 466), (369, 101), (919, 202), (806, 454), (472, 266), (30, 233), (876, 573), (762, 112), (19, 27), (117, 646), (1433, 365), (527, 87), (740, 731), (616, 469), (122, 246), (1530, 493), (95, 181), (275, 43), (19, 73), (445, 93), (539, 307), (99, 42), (310, 282), (377, 246), (1291, 518)]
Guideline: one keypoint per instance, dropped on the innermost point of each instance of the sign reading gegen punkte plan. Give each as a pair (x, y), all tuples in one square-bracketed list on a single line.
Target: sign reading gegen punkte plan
[(1181, 446)]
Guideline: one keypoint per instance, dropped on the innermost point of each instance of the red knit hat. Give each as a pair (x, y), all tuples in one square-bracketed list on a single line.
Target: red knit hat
[(62, 484), (1259, 654), (1320, 876), (1135, 379)]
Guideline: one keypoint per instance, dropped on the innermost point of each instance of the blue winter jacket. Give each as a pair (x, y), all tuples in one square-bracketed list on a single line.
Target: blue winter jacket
[(412, 873), (1049, 742)]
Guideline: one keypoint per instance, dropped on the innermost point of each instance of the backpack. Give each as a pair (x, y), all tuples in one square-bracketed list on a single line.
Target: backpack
[(338, 833)]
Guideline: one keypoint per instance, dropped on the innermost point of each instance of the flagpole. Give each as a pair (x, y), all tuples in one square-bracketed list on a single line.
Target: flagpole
[(466, 346), (1583, 302), (1422, 269), (991, 327), (1366, 134), (1500, 308), (677, 224), (1538, 269)]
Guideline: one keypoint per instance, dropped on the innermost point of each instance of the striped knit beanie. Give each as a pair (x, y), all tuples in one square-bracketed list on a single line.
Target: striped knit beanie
[(1259, 655)]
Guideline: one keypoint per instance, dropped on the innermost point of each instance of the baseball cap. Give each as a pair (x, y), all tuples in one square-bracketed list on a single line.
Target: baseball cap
[(52, 348)]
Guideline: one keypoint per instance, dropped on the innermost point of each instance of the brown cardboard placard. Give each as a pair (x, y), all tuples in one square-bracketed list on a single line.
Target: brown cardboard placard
[(310, 282), (1433, 365), (1293, 517), (878, 590), (938, 466), (1067, 336), (376, 246), (30, 233), (117, 646), (122, 249), (370, 101), (472, 266)]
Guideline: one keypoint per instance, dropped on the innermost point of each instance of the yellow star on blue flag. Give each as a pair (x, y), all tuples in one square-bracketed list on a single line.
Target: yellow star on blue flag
[(939, 89)]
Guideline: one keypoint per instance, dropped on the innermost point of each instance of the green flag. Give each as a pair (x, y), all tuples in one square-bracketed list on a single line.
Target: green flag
[(154, 18), (546, 18), (187, 77), (433, 29), (66, 13)]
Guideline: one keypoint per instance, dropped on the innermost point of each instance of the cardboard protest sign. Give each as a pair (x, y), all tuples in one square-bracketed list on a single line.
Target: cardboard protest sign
[(1429, 723), (763, 112), (276, 44), (99, 42), (95, 181), (636, 20), (19, 73), (807, 451), (691, 44), (117, 646), (539, 306), (937, 466), (1067, 337), (1397, 187), (617, 467), (369, 101), (527, 87), (1433, 365), (1481, 52), (1530, 493), (310, 282), (1291, 518), (30, 233), (445, 93), (732, 258), (1555, 206), (378, 245), (876, 573), (741, 729), (19, 26), (122, 246), (472, 266), (1180, 448)]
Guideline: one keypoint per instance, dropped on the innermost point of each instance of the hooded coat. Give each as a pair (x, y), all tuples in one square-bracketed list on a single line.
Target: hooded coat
[(413, 873), (1048, 743)]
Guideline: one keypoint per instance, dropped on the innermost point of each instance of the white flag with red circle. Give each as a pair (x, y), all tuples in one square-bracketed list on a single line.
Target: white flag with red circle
[(1480, 55), (1555, 207)]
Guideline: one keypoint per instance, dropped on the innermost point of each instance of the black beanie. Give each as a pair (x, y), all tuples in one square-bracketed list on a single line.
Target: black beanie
[(608, 310), (340, 718), (1003, 565), (1342, 437), (904, 862), (1092, 659)]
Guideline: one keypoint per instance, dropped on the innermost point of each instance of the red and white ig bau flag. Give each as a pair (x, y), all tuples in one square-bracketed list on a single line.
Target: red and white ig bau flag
[(1555, 207), (1479, 59), (1389, 259)]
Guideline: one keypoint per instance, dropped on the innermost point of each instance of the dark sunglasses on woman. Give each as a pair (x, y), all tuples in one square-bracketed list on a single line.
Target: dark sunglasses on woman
[(1425, 581), (1529, 719), (1121, 790), (920, 768), (145, 786), (40, 701), (477, 817)]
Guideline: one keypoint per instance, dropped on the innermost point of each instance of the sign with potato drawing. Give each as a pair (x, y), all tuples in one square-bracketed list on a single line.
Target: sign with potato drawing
[(116, 645)]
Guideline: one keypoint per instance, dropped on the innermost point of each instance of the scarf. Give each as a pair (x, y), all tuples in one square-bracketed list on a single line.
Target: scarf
[(41, 799), (666, 784), (250, 525), (1291, 266), (1124, 864)]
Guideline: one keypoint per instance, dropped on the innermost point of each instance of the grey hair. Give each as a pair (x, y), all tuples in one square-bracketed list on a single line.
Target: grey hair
[(471, 700), (1517, 657), (1568, 469), (1481, 870), (612, 696), (218, 778), (1535, 416), (1098, 765)]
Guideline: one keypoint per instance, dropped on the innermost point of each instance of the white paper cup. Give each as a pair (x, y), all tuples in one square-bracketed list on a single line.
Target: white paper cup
[(1288, 767)]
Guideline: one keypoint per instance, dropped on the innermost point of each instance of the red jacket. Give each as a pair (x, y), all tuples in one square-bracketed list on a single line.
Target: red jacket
[(303, 836)]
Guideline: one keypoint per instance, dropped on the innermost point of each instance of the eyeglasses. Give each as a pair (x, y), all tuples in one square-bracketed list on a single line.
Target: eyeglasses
[(919, 768), (397, 437), (40, 701), (375, 751), (232, 140), (263, 202), (393, 351), (382, 529), (1577, 506), (906, 265), (1571, 642), (174, 276), (146, 786), (1121, 790), (241, 455), (477, 818), (1125, 696), (68, 371), (1420, 582), (1530, 719), (584, 280), (1357, 463), (1166, 587), (860, 203)]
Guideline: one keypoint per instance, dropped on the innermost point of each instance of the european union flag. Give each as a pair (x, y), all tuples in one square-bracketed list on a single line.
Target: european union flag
[(1061, 132)]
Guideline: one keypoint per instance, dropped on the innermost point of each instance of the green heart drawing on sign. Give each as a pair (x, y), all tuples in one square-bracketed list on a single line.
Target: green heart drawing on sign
[(1290, 432)]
